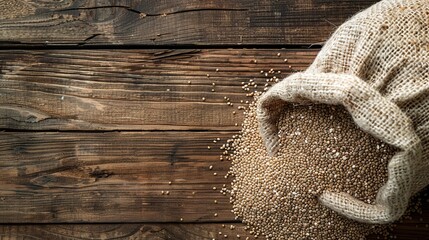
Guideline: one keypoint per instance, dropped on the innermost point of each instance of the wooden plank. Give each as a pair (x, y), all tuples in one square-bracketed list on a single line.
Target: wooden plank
[(57, 177), (411, 229), (123, 231), (165, 22), (128, 89)]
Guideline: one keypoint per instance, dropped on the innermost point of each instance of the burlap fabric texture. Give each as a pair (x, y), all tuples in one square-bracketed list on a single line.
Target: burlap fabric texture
[(377, 66)]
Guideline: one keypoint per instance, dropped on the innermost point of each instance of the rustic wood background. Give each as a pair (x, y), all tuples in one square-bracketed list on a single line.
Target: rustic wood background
[(101, 110)]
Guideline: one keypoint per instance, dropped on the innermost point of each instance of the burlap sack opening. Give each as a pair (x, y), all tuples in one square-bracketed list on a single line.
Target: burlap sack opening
[(377, 66)]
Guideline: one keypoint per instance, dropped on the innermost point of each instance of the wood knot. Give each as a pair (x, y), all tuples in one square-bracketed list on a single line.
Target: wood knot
[(98, 173)]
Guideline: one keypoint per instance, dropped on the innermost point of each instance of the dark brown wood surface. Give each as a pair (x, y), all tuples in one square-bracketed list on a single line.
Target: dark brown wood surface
[(160, 22), (134, 89), (56, 177), (416, 228), (124, 231), (101, 106)]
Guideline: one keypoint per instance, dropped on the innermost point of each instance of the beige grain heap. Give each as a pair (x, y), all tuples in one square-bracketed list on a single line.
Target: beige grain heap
[(320, 148), (376, 65)]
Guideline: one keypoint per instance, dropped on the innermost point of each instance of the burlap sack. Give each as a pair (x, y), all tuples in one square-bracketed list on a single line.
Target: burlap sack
[(377, 66)]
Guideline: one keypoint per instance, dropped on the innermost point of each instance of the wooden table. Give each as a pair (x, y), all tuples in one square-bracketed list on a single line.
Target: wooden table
[(109, 110)]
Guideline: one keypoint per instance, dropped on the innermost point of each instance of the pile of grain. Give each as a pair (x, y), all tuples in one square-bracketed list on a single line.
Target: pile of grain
[(15, 9), (322, 149)]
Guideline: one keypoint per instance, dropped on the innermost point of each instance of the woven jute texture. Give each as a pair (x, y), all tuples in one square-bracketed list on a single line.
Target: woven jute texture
[(377, 66)]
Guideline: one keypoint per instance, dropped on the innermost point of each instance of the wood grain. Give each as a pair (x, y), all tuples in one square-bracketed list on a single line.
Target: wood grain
[(124, 231), (53, 177), (165, 22), (134, 89), (410, 229)]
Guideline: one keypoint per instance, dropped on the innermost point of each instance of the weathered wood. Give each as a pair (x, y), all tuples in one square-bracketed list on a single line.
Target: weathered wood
[(416, 228), (53, 177), (128, 89), (123, 231), (161, 22)]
